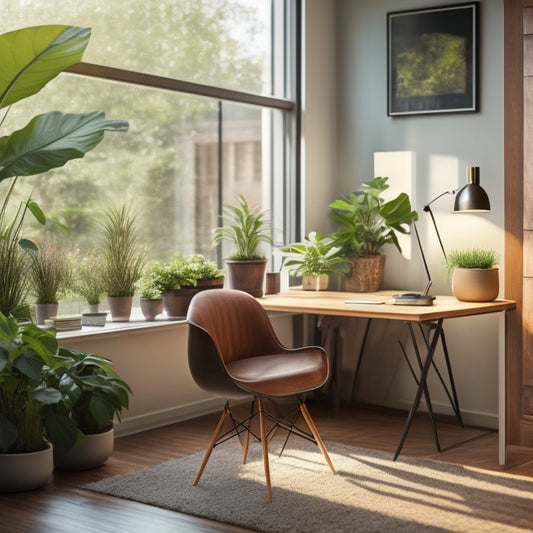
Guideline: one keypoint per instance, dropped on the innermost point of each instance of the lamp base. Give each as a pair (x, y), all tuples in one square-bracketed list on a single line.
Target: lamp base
[(412, 298)]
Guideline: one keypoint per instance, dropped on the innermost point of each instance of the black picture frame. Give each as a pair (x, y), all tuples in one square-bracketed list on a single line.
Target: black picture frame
[(433, 60)]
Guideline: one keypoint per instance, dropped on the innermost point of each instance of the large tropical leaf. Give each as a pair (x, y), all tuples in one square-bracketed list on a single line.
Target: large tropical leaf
[(31, 57), (52, 139)]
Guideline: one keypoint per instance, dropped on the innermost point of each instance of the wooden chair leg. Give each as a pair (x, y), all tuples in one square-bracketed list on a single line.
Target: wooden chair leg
[(214, 438), (265, 448), (316, 435)]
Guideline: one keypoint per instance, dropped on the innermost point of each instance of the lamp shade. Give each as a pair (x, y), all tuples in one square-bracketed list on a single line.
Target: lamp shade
[(472, 197)]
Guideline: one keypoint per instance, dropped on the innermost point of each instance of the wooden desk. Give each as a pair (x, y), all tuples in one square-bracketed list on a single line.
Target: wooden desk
[(444, 307)]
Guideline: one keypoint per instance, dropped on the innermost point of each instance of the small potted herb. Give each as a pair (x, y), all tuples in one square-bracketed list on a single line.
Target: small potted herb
[(475, 277), (50, 277), (124, 260), (180, 278)]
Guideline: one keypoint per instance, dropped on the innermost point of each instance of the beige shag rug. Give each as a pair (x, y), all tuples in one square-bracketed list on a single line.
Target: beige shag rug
[(370, 493)]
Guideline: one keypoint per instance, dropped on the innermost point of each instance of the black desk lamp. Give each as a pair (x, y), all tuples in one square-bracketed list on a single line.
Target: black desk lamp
[(471, 197)]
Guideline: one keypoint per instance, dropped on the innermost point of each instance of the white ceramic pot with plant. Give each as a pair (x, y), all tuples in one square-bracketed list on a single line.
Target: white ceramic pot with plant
[(366, 222), (28, 395), (94, 396), (313, 260), (475, 277), (245, 228)]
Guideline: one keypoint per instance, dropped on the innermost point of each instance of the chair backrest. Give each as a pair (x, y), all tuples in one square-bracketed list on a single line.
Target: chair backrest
[(226, 325), (237, 323)]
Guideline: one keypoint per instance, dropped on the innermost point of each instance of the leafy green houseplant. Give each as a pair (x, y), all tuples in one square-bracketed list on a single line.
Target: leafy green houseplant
[(245, 228), (178, 279), (475, 277), (30, 58), (94, 395), (124, 260), (366, 223), (28, 419), (315, 257)]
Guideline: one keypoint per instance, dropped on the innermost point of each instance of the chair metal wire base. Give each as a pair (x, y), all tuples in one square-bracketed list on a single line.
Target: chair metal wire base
[(243, 429)]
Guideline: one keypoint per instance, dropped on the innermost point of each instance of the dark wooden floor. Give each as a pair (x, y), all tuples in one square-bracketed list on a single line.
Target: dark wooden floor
[(63, 507)]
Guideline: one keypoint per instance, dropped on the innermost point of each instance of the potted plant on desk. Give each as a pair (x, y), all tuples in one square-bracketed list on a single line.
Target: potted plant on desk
[(245, 228), (313, 260), (475, 277), (366, 222)]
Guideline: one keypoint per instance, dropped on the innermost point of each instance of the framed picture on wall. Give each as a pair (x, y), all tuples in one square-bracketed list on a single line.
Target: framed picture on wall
[(433, 60)]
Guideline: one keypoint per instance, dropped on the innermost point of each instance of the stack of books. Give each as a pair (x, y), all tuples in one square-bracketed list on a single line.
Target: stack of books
[(64, 322)]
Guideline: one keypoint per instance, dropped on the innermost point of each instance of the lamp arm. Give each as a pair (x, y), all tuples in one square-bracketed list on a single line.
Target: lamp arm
[(427, 209)]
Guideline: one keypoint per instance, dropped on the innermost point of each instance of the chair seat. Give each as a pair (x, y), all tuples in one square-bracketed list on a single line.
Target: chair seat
[(281, 374)]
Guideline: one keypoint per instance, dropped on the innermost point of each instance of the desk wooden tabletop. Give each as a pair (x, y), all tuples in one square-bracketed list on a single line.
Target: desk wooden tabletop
[(334, 303)]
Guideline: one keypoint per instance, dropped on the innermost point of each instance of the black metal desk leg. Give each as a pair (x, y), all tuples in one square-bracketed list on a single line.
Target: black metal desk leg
[(421, 384)]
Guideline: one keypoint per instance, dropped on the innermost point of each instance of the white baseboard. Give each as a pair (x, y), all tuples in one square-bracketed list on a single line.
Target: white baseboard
[(470, 418), (144, 422)]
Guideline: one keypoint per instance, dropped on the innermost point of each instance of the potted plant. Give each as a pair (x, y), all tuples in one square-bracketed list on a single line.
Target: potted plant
[(245, 228), (124, 260), (50, 277), (28, 421), (474, 274), (180, 278), (314, 259), (30, 58), (150, 300), (93, 396), (366, 222)]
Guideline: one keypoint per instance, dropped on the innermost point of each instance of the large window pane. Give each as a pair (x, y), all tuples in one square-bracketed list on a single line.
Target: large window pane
[(172, 166), (226, 43)]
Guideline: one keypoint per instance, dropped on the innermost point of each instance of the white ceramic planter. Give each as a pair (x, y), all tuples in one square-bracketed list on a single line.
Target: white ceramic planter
[(315, 283), (89, 452), (25, 471)]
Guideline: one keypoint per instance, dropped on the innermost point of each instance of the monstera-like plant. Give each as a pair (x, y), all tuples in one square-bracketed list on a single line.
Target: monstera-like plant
[(29, 59)]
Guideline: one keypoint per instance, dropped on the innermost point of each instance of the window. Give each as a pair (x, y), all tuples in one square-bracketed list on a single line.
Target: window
[(210, 115)]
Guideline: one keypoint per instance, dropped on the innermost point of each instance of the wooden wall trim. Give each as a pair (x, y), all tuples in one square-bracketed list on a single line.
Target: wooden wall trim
[(513, 205)]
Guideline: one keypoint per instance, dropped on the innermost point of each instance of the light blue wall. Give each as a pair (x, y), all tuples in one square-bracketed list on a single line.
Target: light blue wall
[(443, 146)]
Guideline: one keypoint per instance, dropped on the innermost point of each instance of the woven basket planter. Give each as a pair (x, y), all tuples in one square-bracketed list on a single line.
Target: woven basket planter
[(366, 274)]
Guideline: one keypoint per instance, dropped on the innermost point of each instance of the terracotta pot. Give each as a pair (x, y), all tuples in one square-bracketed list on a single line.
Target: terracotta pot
[(25, 471), (315, 283), (44, 311), (176, 303), (151, 307), (366, 274), (120, 308), (247, 276), (90, 451), (475, 284)]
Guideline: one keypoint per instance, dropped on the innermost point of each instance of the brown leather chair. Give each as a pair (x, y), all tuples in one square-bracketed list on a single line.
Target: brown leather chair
[(234, 353)]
